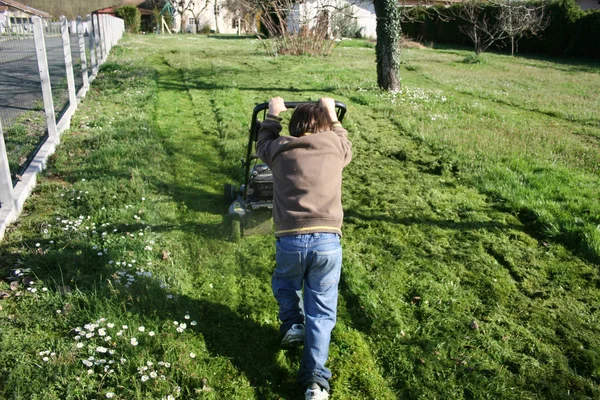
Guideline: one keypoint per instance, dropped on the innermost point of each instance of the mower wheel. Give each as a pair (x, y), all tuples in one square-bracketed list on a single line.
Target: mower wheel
[(229, 192), (236, 229)]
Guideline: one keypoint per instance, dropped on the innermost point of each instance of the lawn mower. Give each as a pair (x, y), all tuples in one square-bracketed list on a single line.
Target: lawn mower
[(251, 203)]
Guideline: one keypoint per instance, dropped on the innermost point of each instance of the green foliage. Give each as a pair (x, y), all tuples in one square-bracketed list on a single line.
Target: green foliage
[(470, 234), (584, 42), (558, 37), (132, 17), (205, 29), (474, 58), (571, 32), (346, 26)]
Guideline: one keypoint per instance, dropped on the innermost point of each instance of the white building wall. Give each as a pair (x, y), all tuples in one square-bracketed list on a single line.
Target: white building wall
[(365, 15), (207, 17), (306, 14)]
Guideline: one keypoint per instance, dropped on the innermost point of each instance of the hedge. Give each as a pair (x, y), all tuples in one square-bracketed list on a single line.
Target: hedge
[(132, 17), (570, 33)]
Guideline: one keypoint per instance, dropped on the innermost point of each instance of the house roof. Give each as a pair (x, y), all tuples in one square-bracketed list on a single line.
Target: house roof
[(3, 8), (23, 7), (145, 7)]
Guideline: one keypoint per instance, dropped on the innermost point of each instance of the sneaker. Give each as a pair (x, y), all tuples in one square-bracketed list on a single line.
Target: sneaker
[(315, 392), (294, 336)]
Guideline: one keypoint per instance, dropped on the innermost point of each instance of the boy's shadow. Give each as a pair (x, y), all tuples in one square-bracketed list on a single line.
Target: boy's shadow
[(253, 349)]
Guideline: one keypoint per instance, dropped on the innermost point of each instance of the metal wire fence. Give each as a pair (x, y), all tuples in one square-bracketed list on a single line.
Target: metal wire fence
[(57, 68), (21, 103), (44, 68)]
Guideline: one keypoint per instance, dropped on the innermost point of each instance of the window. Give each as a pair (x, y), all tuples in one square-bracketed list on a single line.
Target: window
[(191, 21)]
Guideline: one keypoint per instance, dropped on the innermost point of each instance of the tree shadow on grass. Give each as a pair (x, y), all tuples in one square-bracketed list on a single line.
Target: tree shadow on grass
[(251, 347), (351, 216), (232, 37)]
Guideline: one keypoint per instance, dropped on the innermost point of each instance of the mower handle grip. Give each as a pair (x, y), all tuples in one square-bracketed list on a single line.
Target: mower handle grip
[(340, 107)]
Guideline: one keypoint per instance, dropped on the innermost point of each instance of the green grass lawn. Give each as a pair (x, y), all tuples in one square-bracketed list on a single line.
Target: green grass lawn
[(471, 232)]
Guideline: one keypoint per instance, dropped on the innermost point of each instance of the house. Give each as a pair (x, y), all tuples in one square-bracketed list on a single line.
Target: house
[(16, 17), (204, 16), (148, 9), (346, 18), (207, 16)]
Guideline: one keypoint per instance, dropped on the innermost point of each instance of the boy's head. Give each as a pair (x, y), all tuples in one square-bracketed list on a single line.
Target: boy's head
[(309, 118)]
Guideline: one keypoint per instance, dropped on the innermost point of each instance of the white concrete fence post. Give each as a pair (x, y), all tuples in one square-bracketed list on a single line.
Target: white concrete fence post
[(109, 28), (97, 40), (81, 41), (105, 48), (92, 48), (64, 30), (7, 198), (42, 60)]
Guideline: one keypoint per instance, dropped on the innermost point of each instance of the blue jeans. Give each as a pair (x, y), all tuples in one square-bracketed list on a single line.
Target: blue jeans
[(315, 262)]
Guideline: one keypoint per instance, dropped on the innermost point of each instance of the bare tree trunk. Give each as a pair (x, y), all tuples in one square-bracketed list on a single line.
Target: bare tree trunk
[(387, 49), (217, 12)]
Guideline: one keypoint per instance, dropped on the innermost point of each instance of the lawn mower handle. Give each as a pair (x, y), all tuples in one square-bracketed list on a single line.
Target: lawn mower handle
[(340, 111), (254, 127)]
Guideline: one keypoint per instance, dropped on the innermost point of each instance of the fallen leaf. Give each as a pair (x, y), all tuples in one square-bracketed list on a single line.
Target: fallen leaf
[(416, 300), (14, 286), (4, 294), (165, 255), (474, 324)]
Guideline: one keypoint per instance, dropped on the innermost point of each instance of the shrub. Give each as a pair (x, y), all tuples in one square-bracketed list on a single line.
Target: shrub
[(584, 42), (132, 17), (205, 29), (305, 35), (346, 26)]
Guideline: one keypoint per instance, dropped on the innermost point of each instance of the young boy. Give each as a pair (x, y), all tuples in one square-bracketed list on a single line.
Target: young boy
[(307, 211)]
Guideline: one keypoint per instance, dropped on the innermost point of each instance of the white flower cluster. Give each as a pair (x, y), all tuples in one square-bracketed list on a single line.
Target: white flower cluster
[(128, 278), (153, 371), (182, 326), (101, 343), (78, 224), (45, 353), (415, 97), (22, 273), (435, 117)]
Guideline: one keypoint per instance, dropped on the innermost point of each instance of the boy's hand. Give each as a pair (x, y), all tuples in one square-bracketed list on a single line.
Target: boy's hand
[(276, 105), (328, 104)]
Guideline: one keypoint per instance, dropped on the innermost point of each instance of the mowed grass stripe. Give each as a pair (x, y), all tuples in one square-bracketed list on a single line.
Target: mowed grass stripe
[(249, 291)]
